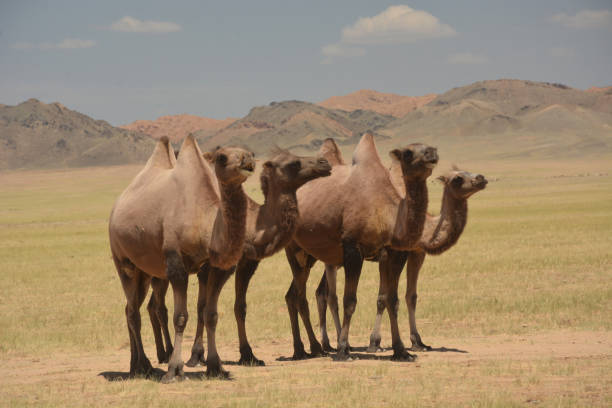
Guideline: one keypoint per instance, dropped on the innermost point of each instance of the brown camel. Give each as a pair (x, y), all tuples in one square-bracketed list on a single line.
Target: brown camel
[(440, 234), (353, 215), (167, 223), (269, 228)]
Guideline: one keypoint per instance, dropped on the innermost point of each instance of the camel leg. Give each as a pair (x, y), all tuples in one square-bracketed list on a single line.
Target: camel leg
[(298, 261), (135, 286), (391, 266), (332, 297), (216, 280), (158, 313), (178, 277), (197, 350), (413, 266), (353, 262), (380, 309), (244, 272), (315, 347), (321, 295)]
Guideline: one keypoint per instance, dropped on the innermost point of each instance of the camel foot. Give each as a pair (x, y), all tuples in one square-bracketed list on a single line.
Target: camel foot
[(247, 358), (164, 356), (327, 347), (300, 355), (217, 372), (142, 368), (417, 344), (317, 351), (342, 354), (374, 348), (403, 355), (197, 357), (174, 374)]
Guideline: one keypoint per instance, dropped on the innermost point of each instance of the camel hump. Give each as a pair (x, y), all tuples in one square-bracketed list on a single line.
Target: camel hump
[(365, 151), (190, 153), (330, 151), (163, 155)]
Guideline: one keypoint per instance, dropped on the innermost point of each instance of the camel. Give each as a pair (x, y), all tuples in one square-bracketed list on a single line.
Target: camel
[(269, 227), (168, 222), (440, 234), (353, 215)]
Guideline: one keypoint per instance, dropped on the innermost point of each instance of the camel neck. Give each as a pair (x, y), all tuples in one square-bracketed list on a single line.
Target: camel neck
[(411, 219), (443, 231), (280, 213), (233, 212)]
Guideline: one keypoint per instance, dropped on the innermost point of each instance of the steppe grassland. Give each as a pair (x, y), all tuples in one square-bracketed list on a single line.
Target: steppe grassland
[(535, 257)]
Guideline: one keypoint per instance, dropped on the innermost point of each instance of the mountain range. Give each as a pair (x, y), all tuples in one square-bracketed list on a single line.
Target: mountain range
[(487, 119)]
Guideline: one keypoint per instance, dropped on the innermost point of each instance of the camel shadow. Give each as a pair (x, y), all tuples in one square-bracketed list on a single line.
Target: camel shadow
[(156, 376)]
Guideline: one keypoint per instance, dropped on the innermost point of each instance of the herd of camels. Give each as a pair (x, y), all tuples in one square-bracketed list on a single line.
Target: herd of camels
[(189, 214)]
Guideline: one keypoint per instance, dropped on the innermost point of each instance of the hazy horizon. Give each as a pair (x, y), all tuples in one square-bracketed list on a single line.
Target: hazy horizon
[(140, 60)]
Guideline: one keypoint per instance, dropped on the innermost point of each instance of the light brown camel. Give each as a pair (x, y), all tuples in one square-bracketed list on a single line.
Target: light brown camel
[(166, 224), (440, 234), (353, 215), (269, 227)]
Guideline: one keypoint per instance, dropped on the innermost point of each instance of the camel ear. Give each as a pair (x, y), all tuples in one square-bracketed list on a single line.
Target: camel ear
[(268, 165), (395, 154), (208, 156), (443, 179)]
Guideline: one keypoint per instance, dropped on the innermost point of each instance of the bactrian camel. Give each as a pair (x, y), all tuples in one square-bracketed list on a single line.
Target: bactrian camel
[(440, 234), (269, 227), (353, 215), (171, 220)]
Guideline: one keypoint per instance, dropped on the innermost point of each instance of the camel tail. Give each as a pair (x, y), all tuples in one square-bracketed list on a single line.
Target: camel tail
[(330, 151)]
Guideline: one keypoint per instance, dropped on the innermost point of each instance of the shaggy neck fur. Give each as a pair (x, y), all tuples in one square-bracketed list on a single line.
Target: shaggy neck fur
[(412, 214), (233, 212), (443, 231), (280, 213)]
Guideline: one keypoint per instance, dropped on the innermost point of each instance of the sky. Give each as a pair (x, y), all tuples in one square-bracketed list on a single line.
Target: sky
[(128, 60)]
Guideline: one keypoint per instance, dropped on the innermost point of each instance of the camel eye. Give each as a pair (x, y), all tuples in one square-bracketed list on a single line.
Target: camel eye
[(221, 159), (457, 181), (294, 166), (407, 155)]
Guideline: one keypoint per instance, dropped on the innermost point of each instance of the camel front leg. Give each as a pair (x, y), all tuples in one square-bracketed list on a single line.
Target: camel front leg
[(353, 262), (178, 277), (300, 282), (380, 309), (391, 267), (216, 279), (244, 272), (197, 350), (331, 273), (158, 313), (413, 266)]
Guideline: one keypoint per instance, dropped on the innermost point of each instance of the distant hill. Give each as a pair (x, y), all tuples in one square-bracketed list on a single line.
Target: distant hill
[(38, 135), (176, 127), (384, 103), (295, 124), (512, 118)]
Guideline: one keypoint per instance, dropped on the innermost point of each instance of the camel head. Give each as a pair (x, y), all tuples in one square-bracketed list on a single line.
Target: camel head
[(287, 171), (417, 160), (462, 184), (233, 165)]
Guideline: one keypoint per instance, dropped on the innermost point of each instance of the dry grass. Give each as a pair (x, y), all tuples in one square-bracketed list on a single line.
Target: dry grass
[(535, 258)]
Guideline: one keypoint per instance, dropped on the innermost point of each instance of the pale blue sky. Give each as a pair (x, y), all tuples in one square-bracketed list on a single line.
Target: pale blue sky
[(128, 60)]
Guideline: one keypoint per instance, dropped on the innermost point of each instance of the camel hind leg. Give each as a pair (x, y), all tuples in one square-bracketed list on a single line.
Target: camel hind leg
[(244, 272), (135, 286), (327, 295), (413, 266), (197, 350), (375, 337), (158, 314)]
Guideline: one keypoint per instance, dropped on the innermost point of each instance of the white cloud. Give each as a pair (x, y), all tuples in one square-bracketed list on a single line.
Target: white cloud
[(467, 58), (133, 25), (585, 19), (396, 24), (561, 52), (67, 43)]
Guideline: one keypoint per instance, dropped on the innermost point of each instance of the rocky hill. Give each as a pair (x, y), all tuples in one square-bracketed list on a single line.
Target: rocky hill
[(38, 135), (295, 124), (512, 118), (176, 127), (384, 103)]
